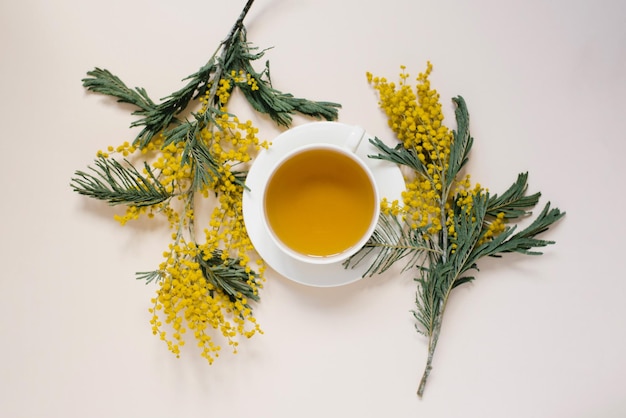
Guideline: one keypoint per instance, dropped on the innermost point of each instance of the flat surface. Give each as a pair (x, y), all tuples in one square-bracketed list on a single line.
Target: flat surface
[(545, 84)]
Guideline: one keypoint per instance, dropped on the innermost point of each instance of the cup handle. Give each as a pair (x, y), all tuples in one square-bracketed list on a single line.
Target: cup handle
[(354, 138)]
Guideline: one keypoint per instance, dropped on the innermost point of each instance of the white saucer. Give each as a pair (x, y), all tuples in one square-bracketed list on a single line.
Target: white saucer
[(387, 175)]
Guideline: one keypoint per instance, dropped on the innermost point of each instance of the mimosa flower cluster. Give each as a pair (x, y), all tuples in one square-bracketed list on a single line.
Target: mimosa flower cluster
[(209, 275), (185, 300), (416, 118), (443, 224)]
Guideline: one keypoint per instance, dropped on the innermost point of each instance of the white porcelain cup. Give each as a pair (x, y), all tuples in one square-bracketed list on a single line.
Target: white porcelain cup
[(321, 202)]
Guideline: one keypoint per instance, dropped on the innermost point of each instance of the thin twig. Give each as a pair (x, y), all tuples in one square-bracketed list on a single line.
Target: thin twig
[(226, 45)]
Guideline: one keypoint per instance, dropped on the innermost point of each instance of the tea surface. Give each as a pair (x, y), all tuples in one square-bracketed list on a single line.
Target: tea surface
[(319, 203)]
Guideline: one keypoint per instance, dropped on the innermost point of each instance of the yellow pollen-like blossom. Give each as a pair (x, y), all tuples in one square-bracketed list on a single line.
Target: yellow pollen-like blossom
[(186, 303), (415, 115)]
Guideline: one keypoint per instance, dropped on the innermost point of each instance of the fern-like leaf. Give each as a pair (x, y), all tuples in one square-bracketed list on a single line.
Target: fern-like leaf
[(120, 184), (462, 142), (392, 241), (513, 202), (398, 155), (228, 275)]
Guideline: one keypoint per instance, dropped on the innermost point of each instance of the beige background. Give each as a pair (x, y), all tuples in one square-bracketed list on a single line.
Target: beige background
[(545, 83)]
